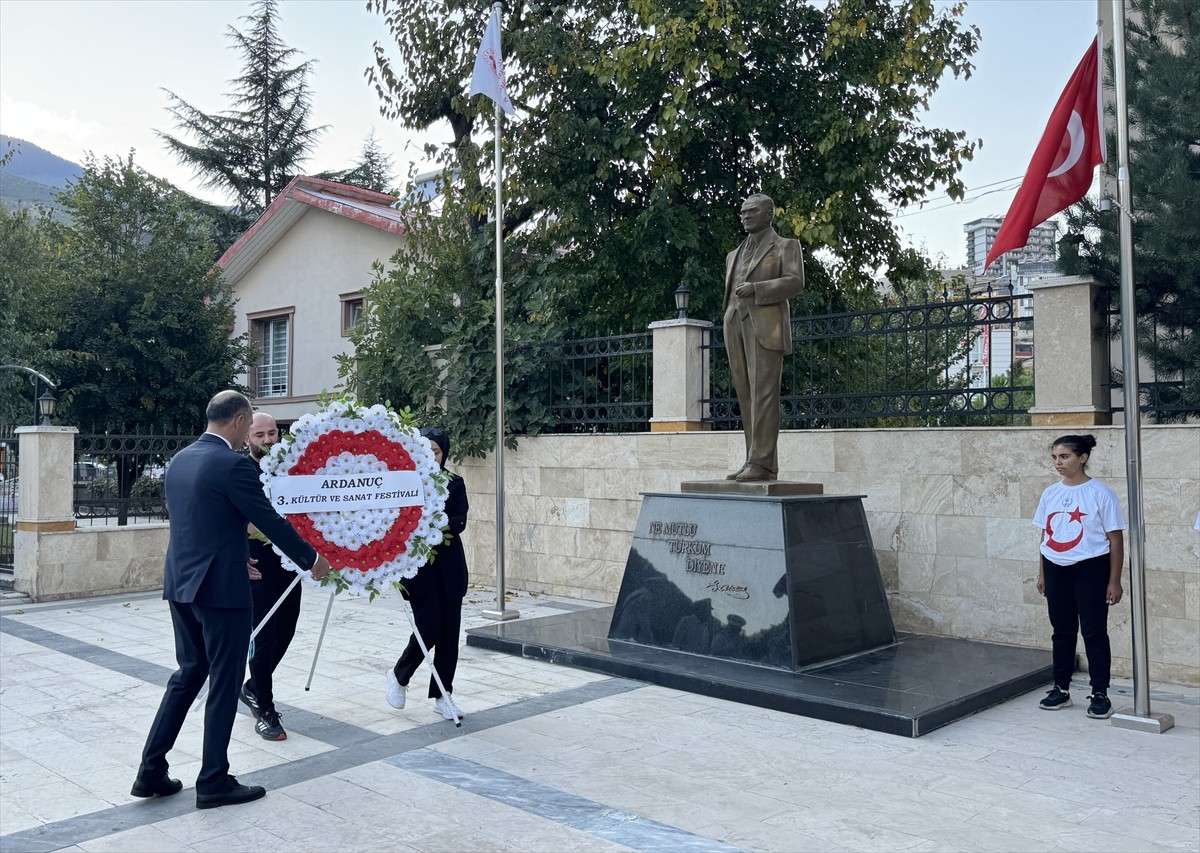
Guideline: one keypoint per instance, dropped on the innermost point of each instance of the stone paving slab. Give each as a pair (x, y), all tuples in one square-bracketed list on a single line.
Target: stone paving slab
[(548, 758)]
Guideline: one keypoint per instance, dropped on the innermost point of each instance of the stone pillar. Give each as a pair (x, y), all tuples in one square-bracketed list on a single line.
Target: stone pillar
[(46, 496), (1070, 353), (680, 375)]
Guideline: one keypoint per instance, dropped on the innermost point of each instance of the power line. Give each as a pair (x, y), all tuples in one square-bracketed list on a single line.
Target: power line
[(1007, 181)]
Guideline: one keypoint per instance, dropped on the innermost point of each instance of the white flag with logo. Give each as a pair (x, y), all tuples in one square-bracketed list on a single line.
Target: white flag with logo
[(488, 76)]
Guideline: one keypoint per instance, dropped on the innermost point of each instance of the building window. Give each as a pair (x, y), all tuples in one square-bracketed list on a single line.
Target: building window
[(272, 337), (352, 311)]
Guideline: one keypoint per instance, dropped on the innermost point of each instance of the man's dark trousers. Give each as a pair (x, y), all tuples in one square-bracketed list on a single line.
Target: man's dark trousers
[(202, 634), (271, 643)]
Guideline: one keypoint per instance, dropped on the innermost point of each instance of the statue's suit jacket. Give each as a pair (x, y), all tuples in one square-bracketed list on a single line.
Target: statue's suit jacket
[(211, 493), (777, 271)]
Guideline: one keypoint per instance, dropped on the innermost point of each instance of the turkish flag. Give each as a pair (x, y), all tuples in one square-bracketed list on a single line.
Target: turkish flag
[(1061, 169)]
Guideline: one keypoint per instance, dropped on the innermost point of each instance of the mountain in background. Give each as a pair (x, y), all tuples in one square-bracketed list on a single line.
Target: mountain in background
[(34, 176), (36, 164)]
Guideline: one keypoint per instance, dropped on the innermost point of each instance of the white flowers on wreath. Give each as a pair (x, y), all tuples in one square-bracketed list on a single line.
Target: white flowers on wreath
[(360, 544)]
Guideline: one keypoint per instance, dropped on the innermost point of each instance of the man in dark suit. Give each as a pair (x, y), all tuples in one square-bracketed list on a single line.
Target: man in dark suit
[(212, 492), (760, 276)]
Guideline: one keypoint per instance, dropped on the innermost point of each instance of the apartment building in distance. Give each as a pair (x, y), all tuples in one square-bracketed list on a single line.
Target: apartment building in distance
[(981, 234)]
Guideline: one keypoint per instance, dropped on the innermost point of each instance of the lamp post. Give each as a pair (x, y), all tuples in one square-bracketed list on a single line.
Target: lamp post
[(46, 405), (682, 297), (36, 378)]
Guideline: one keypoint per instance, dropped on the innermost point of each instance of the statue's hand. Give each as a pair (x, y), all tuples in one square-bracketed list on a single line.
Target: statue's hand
[(745, 289)]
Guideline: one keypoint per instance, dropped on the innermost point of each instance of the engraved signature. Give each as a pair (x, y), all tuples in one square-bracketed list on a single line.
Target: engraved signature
[(731, 590)]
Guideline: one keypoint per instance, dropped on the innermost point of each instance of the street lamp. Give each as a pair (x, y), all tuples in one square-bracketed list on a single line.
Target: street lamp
[(682, 297), (47, 405)]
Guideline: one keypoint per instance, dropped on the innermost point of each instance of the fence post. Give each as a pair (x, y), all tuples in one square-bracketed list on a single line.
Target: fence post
[(46, 497), (680, 375), (1070, 353)]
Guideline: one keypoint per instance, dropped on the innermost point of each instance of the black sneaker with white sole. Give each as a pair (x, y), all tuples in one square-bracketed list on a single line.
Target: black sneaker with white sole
[(1099, 708), (1055, 699)]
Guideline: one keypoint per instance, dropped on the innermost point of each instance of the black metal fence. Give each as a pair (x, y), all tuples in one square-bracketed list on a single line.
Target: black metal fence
[(8, 501), (119, 478), (956, 362), (601, 384), (1168, 385)]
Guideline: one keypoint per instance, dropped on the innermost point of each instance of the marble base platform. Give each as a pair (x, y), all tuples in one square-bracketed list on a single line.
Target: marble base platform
[(910, 688)]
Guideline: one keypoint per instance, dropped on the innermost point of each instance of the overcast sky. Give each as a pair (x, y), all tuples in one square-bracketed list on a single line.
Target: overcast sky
[(87, 75)]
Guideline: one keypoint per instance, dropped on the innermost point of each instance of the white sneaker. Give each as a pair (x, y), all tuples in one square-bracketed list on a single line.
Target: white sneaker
[(396, 692), (446, 707)]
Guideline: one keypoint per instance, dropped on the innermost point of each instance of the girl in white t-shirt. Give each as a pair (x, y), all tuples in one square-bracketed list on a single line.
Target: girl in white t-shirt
[(1082, 552)]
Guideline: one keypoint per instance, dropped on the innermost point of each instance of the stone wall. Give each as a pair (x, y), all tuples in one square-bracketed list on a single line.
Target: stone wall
[(90, 561), (949, 512)]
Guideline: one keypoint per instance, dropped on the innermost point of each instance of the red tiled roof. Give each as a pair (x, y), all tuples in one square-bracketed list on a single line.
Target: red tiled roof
[(365, 206)]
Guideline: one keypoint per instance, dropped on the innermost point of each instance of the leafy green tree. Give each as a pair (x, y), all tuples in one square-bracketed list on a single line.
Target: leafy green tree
[(143, 320), (1163, 88), (30, 262), (253, 149), (373, 171), (643, 126), (439, 291)]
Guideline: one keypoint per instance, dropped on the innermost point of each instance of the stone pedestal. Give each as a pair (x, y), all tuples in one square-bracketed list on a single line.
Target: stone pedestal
[(680, 373), (46, 499), (781, 581), (1071, 355)]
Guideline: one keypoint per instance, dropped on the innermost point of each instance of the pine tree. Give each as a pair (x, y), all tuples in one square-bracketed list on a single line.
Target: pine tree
[(372, 172), (253, 149), (1163, 89)]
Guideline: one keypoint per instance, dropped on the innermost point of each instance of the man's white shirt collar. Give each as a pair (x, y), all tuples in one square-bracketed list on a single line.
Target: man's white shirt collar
[(223, 438)]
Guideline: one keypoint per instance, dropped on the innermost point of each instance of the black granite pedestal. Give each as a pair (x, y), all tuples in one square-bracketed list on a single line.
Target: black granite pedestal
[(779, 580)]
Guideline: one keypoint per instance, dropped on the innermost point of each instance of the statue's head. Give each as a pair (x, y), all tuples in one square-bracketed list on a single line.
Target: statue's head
[(757, 212)]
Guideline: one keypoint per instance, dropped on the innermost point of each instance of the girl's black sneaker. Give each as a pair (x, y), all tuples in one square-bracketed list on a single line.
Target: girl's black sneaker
[(1055, 699), (1099, 708)]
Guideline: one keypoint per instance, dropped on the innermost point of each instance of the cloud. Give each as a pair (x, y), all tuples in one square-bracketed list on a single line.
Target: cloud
[(67, 136)]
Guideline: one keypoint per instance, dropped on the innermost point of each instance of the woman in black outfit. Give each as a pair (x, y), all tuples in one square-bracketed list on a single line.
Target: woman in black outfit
[(436, 595)]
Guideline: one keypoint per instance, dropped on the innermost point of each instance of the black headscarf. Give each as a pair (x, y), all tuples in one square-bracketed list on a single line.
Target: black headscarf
[(441, 438)]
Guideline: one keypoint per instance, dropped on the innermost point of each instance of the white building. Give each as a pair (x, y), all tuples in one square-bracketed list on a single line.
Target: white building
[(298, 274), (981, 234)]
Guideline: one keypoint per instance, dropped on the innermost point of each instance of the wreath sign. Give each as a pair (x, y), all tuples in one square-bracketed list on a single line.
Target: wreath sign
[(386, 494)]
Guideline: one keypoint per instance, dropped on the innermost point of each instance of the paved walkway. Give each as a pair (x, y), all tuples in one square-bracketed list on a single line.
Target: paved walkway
[(548, 758)]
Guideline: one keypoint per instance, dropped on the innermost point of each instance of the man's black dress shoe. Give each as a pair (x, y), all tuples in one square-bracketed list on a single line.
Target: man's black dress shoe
[(231, 795), (161, 787)]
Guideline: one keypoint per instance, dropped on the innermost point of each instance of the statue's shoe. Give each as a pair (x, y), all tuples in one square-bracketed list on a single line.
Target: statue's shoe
[(753, 474)]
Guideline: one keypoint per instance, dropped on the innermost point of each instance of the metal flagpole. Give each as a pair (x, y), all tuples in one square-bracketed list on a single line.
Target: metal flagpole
[(501, 612), (1140, 717)]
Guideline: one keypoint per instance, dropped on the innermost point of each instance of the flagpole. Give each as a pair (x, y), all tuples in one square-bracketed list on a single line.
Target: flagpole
[(1140, 717), (501, 612)]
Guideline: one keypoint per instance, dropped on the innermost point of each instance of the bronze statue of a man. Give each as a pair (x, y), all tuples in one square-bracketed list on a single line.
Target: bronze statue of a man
[(760, 276)]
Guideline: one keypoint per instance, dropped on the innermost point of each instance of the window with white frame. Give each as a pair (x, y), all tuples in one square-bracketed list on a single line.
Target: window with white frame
[(272, 373), (352, 312)]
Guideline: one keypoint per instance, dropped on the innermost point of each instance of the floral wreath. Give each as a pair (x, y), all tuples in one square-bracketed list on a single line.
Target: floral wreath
[(367, 548)]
